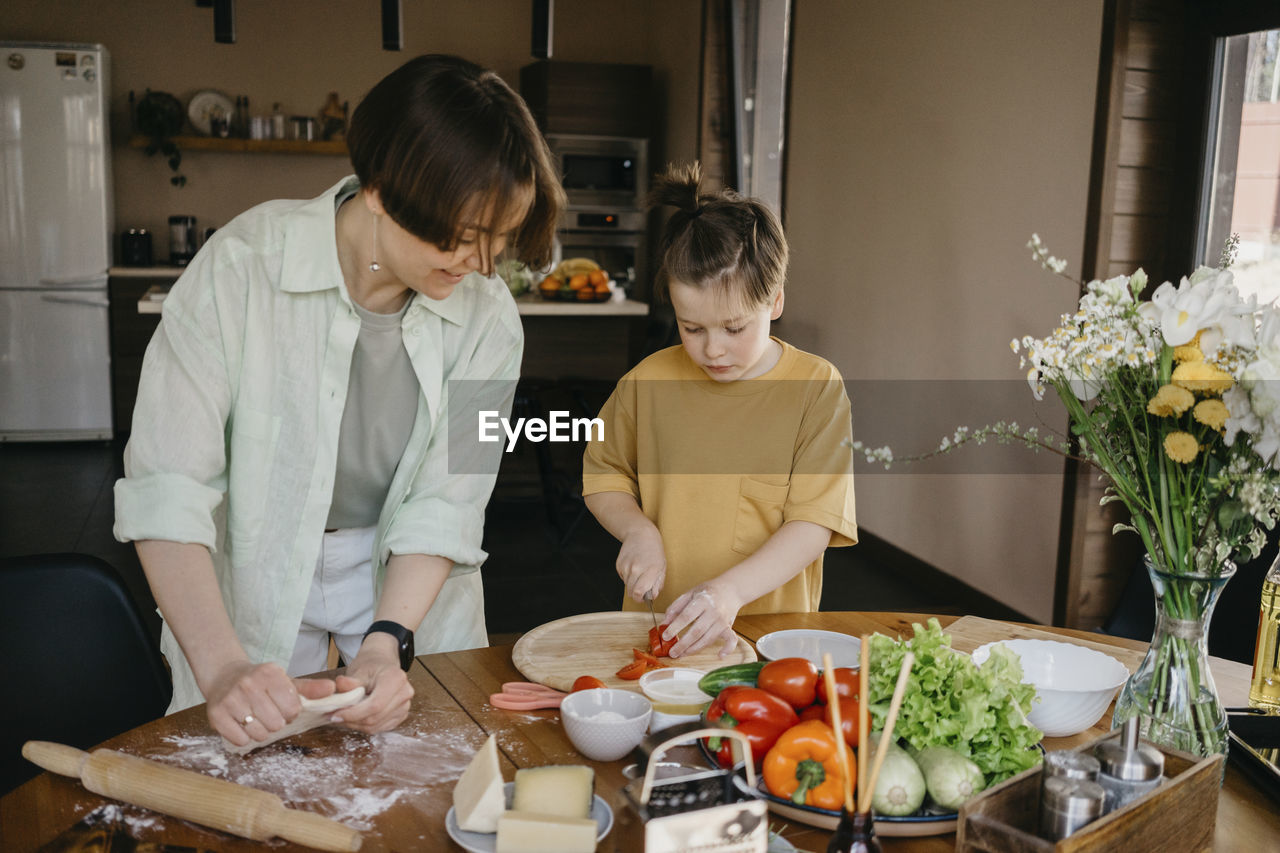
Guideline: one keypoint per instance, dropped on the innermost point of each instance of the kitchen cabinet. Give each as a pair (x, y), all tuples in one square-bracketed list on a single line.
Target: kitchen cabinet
[(131, 331)]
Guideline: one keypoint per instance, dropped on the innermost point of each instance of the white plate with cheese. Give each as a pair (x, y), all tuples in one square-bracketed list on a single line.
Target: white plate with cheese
[(486, 842)]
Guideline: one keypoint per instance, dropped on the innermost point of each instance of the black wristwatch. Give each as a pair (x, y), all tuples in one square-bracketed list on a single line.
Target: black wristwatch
[(403, 636)]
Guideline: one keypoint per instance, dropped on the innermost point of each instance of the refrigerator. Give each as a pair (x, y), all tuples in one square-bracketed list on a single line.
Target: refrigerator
[(55, 242)]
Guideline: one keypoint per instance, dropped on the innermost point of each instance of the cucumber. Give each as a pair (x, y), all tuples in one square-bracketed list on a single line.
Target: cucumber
[(739, 673)]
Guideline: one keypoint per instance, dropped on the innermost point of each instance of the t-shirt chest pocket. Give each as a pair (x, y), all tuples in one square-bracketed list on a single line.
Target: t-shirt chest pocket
[(759, 513)]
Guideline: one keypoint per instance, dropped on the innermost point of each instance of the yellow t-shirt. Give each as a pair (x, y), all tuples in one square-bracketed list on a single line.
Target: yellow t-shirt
[(719, 467)]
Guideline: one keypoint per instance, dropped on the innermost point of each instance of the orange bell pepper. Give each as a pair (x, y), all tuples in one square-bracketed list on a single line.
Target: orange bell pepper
[(803, 766)]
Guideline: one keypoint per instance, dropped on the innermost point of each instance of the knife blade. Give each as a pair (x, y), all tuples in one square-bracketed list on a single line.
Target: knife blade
[(648, 599)]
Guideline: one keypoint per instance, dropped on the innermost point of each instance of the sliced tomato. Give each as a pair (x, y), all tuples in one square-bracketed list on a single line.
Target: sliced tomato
[(587, 682), (658, 646), (650, 662), (633, 670)]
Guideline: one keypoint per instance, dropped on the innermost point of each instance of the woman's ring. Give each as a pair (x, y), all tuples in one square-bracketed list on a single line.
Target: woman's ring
[(247, 720)]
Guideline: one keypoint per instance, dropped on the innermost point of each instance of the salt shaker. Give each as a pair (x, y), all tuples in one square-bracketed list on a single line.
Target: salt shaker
[(1071, 764), (1129, 769), (1068, 804)]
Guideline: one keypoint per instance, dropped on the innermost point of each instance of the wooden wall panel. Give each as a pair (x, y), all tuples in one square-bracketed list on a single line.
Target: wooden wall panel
[(1148, 94), (1135, 239), (1141, 140), (1138, 192), (1149, 46), (1149, 144)]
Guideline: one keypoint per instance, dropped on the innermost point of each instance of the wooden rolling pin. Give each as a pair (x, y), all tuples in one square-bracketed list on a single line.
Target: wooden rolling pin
[(217, 803)]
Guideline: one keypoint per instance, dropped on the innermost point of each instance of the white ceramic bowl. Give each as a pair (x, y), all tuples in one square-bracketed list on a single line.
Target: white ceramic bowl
[(605, 724), (675, 696), (1074, 684), (809, 644)]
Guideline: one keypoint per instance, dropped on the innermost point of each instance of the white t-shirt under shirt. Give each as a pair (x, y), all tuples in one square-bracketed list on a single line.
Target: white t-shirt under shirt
[(382, 399)]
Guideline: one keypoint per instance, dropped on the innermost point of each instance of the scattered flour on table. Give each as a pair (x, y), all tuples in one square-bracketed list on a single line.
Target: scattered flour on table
[(133, 817), (352, 782)]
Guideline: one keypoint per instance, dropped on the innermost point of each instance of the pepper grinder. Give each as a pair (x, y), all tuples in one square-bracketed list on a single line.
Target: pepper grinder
[(1129, 769), (1067, 804)]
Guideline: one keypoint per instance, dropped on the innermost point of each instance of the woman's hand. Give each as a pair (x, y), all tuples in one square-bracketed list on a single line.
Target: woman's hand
[(388, 692), (642, 562), (702, 616), (248, 702)]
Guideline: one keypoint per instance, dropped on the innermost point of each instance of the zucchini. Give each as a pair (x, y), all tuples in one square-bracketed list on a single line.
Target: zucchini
[(950, 777), (739, 673), (900, 787)]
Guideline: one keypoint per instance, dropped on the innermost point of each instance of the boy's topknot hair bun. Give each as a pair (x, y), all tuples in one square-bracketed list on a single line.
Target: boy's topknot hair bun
[(722, 240), (679, 187)]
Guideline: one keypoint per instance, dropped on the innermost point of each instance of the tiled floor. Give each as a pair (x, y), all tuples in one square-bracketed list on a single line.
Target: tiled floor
[(58, 497)]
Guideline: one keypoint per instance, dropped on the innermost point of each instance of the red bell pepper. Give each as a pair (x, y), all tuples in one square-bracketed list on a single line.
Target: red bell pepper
[(758, 714)]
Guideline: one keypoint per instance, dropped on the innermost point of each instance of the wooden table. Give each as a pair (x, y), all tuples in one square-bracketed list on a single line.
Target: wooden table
[(402, 781)]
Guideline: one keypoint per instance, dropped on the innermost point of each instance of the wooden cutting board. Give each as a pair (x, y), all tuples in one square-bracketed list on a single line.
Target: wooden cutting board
[(969, 632), (600, 644)]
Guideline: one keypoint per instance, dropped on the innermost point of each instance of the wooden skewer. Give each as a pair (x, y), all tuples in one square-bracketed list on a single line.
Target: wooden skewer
[(842, 757), (886, 736), (864, 713)]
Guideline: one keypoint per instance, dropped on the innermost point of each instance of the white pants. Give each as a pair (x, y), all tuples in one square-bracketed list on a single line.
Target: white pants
[(340, 603)]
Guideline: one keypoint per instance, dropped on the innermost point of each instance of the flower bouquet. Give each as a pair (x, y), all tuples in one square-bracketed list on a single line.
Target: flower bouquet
[(1176, 401)]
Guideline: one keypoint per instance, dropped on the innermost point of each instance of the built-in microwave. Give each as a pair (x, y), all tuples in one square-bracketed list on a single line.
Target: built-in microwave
[(602, 173)]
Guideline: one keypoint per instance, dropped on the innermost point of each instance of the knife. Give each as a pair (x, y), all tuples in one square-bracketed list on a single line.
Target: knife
[(648, 599)]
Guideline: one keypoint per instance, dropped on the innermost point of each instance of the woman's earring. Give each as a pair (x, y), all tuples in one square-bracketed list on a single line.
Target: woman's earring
[(374, 266)]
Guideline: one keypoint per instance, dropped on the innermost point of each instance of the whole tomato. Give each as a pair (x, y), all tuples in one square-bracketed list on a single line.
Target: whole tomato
[(846, 683), (848, 717), (792, 679)]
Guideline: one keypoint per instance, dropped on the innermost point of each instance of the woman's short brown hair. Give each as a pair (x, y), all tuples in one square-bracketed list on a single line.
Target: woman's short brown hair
[(721, 241), (440, 135)]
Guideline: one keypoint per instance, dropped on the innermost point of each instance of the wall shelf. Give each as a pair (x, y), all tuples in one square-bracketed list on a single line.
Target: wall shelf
[(252, 146)]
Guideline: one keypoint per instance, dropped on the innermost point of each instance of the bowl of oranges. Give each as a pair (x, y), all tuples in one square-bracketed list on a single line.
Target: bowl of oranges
[(576, 280)]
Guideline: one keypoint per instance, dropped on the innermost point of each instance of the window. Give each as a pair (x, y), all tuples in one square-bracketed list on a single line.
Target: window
[(1240, 191)]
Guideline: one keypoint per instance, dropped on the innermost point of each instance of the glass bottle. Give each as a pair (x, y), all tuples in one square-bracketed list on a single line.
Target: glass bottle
[(1264, 687), (856, 833)]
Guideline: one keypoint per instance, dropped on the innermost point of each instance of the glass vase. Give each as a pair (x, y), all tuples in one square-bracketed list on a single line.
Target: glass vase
[(1172, 692)]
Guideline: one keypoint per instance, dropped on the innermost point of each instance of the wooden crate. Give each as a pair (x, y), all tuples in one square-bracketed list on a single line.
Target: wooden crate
[(1179, 815)]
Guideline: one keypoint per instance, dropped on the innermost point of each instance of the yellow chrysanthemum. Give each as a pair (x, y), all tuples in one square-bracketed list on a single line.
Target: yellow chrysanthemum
[(1212, 413), (1181, 447), (1190, 351), (1170, 401), (1201, 376)]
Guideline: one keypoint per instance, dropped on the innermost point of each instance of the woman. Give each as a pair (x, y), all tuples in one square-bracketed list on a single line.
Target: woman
[(289, 475)]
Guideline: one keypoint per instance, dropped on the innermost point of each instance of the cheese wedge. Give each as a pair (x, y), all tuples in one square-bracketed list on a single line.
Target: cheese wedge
[(478, 798), (558, 790), (525, 832)]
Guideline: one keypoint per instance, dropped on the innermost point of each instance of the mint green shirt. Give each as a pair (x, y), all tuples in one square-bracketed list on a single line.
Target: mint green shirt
[(235, 432)]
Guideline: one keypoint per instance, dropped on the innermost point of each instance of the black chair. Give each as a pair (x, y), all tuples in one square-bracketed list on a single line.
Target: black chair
[(80, 666)]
